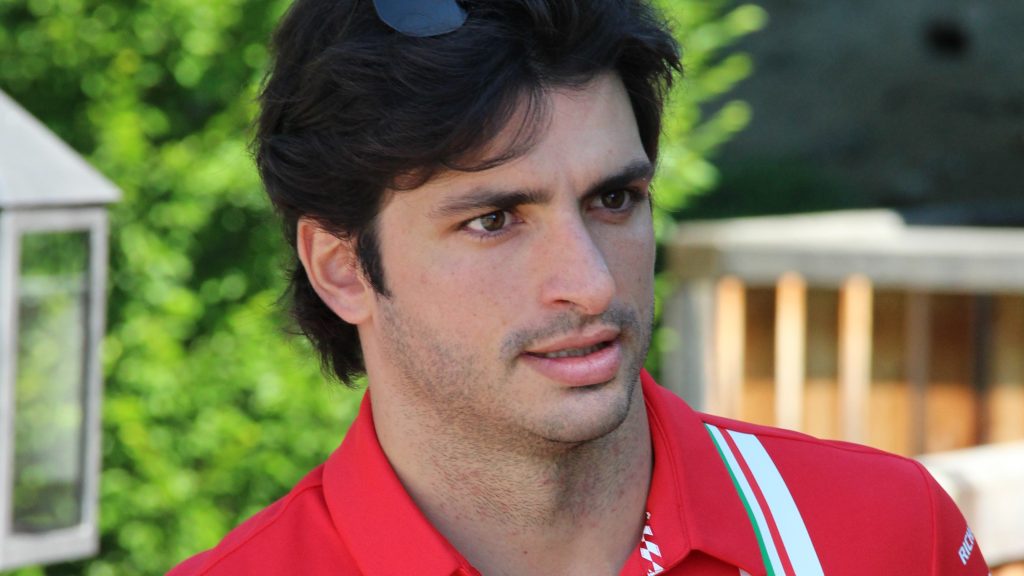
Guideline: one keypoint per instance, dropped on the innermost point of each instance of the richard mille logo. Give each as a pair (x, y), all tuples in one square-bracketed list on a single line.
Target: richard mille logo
[(967, 547)]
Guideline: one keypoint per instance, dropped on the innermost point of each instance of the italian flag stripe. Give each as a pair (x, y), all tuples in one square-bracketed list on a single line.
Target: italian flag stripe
[(769, 504), (773, 529), (769, 554), (795, 538)]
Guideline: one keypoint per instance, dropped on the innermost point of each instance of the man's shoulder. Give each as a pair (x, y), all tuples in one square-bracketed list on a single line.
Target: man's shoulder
[(293, 535), (817, 469), (860, 503), (820, 453), (798, 450), (800, 458), (861, 507)]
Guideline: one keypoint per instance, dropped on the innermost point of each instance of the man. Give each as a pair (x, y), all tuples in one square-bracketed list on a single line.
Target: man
[(466, 186)]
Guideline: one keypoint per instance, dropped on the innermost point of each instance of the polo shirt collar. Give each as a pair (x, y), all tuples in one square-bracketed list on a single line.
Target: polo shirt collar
[(692, 500)]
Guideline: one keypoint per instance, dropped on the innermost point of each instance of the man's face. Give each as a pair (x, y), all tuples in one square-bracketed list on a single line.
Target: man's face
[(521, 296)]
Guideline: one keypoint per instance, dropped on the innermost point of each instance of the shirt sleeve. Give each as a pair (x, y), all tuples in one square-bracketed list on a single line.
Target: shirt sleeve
[(955, 550)]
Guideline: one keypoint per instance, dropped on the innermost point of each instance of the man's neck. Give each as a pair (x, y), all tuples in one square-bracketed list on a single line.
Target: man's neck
[(566, 510)]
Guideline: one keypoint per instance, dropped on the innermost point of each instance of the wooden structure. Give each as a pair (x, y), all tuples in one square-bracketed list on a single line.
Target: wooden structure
[(856, 326)]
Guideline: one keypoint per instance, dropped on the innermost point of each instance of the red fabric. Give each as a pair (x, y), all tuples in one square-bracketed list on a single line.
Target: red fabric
[(867, 512)]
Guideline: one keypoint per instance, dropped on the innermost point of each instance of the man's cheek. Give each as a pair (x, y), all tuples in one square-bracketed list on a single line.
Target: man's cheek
[(462, 289), (631, 261)]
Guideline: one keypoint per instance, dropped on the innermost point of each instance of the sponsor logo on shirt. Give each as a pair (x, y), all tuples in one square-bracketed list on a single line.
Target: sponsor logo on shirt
[(967, 547)]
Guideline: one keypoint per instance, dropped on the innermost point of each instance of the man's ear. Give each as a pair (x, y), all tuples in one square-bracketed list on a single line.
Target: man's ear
[(333, 269)]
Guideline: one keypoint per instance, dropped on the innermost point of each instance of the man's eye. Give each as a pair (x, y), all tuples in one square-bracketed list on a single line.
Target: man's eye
[(614, 199), (492, 222)]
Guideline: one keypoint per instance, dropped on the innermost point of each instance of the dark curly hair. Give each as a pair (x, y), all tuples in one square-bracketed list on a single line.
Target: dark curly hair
[(351, 108)]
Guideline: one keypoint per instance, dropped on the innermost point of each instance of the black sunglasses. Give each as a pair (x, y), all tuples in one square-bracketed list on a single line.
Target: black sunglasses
[(421, 18)]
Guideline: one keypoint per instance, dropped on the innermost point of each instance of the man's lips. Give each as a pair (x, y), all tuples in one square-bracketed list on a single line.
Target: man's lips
[(596, 337), (583, 360)]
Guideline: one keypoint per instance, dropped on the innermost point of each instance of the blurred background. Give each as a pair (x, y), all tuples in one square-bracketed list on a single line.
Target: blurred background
[(898, 322)]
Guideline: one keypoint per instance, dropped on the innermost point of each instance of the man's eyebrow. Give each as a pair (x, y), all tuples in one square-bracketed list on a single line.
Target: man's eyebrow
[(480, 200), (491, 200), (636, 170)]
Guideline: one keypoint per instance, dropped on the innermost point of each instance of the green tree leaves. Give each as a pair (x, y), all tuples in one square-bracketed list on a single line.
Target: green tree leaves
[(707, 29), (211, 412)]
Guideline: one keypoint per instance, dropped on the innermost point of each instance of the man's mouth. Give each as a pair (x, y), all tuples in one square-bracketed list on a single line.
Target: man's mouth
[(579, 360), (574, 352)]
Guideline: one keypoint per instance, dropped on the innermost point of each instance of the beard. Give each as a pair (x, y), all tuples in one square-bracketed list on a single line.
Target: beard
[(489, 399)]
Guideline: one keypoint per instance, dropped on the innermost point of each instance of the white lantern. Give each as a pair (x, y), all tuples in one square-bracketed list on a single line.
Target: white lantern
[(53, 266)]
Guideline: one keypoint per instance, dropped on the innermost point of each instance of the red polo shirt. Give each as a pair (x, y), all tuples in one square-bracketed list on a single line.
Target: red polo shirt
[(726, 498)]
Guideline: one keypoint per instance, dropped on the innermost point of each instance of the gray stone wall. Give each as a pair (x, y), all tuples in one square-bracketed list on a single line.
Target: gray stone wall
[(903, 101)]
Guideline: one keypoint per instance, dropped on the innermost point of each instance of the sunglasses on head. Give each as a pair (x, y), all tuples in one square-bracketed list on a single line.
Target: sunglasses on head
[(421, 18)]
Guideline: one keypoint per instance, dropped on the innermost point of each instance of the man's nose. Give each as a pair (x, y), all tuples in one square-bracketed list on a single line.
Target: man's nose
[(576, 273)]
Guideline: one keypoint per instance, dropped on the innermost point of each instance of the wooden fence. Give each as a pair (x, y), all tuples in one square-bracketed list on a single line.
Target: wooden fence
[(856, 327)]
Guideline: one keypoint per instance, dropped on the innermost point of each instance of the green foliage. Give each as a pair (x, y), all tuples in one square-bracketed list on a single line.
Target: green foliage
[(210, 411), (707, 29)]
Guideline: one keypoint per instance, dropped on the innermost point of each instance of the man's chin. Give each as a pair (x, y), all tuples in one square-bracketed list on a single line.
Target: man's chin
[(591, 413)]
